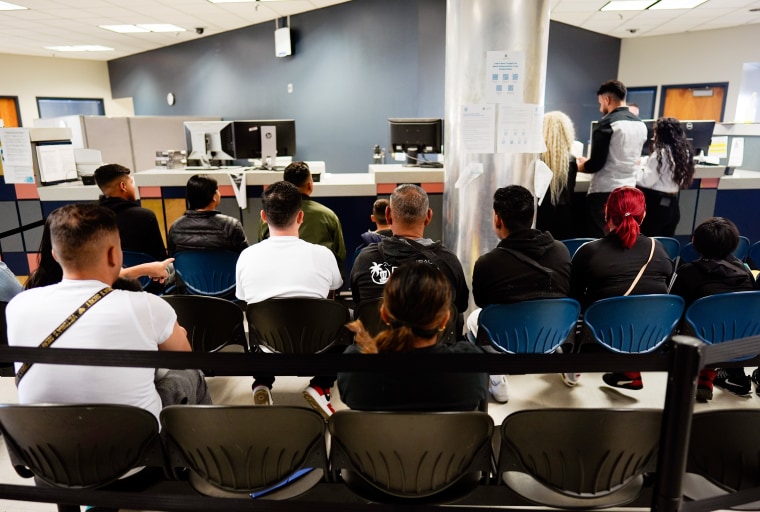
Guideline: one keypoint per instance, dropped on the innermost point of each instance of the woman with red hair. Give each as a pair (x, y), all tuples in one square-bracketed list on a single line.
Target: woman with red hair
[(610, 266)]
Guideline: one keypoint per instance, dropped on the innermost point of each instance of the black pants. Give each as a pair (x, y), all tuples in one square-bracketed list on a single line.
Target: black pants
[(663, 213), (595, 221)]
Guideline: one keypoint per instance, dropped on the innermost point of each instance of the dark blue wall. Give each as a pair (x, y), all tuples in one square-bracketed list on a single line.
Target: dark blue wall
[(354, 65)]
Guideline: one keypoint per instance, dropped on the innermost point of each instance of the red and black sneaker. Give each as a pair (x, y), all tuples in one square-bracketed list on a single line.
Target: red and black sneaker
[(625, 380), (705, 385)]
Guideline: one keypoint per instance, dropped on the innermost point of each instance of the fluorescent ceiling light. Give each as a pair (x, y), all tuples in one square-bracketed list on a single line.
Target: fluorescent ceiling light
[(6, 6), (143, 27), (676, 4), (80, 48), (627, 5), (124, 29)]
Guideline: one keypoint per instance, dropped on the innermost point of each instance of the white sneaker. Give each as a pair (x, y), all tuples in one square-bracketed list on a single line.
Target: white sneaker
[(570, 379), (262, 396), (498, 387)]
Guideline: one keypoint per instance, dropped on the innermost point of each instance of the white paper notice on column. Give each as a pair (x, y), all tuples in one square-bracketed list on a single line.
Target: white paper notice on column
[(16, 155), (478, 124), (505, 78), (520, 129)]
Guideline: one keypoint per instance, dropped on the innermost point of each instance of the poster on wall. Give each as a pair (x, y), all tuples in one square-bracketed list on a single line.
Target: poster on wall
[(505, 76), (16, 155), (478, 124), (520, 129)]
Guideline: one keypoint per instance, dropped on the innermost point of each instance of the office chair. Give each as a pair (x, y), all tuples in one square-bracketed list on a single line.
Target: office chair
[(573, 244), (212, 323), (207, 272), (672, 247), (132, 258), (725, 317)]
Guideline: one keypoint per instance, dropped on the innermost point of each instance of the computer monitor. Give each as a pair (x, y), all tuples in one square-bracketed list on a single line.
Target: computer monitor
[(206, 141), (699, 134), (263, 139), (414, 136)]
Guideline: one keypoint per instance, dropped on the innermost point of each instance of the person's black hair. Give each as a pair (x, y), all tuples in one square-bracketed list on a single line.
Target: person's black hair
[(378, 210), (297, 173), (282, 202), (716, 238), (614, 87), (48, 270), (200, 191), (107, 174), (676, 148), (514, 206)]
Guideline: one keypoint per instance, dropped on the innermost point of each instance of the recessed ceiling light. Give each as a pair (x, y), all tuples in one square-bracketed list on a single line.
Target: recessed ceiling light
[(124, 29), (80, 48), (676, 4), (6, 6), (161, 27), (627, 5)]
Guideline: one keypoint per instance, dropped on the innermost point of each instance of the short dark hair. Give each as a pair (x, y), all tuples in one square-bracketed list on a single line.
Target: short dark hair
[(409, 204), (378, 210), (107, 174), (614, 87), (716, 238), (297, 173), (76, 232), (515, 207), (200, 191), (282, 202)]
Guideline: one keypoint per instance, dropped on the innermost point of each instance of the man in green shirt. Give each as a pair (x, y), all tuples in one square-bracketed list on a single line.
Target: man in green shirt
[(320, 224)]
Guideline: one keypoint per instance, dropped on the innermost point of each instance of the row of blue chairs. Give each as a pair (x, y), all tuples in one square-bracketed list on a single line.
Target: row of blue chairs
[(631, 324), (745, 251)]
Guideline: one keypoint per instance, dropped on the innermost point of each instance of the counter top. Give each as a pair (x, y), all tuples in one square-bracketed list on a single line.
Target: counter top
[(397, 173), (740, 180)]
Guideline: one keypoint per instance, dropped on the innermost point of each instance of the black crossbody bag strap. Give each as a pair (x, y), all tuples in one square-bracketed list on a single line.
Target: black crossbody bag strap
[(58, 331)]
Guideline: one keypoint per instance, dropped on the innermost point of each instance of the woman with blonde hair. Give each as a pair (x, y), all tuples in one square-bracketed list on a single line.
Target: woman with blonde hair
[(417, 304), (555, 213)]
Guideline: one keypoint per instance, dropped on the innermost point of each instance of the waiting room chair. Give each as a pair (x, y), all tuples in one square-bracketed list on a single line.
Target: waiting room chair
[(297, 325), (132, 258), (672, 247), (725, 317), (207, 272), (753, 256), (528, 327), (634, 324), (690, 254), (724, 454), (432, 457), (212, 323), (579, 458), (232, 451), (368, 311), (573, 244), (80, 446)]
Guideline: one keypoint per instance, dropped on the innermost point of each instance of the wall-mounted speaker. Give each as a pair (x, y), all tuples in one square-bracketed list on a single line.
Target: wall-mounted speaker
[(282, 42)]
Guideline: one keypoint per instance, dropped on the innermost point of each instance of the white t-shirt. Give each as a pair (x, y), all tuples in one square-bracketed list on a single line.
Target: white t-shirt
[(286, 266), (122, 320)]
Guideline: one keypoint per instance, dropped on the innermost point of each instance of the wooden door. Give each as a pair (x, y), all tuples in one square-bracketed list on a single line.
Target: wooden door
[(694, 102), (9, 111)]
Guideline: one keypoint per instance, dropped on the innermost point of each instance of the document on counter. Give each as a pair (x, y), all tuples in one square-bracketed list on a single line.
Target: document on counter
[(478, 122), (505, 76), (736, 159), (520, 129), (719, 147), (16, 155)]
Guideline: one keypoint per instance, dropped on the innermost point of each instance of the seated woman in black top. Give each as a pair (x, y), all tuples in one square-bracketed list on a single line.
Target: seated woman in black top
[(716, 271), (416, 307), (609, 267)]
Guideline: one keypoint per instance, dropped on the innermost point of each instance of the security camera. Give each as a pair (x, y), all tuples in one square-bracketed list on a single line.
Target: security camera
[(199, 30), (631, 30)]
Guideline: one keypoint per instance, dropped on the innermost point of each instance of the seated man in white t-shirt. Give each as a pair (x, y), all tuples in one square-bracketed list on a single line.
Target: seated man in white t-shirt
[(285, 266), (86, 243)]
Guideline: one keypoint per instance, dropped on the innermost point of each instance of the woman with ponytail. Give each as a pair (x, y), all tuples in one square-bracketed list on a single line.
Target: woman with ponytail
[(417, 304), (670, 168), (608, 267)]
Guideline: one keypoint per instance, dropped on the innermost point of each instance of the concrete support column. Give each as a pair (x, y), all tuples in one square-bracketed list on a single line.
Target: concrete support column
[(473, 28)]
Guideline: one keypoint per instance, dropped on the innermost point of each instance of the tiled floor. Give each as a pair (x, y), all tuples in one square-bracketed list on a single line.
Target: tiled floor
[(526, 392)]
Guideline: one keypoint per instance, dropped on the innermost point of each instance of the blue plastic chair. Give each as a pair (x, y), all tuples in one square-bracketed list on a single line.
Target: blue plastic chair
[(725, 317), (672, 246), (529, 327), (132, 258), (573, 244), (634, 324), (753, 256), (689, 253), (207, 272)]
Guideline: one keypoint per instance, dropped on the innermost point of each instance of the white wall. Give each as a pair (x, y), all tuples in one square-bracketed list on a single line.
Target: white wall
[(691, 57), (28, 77)]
